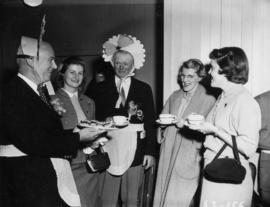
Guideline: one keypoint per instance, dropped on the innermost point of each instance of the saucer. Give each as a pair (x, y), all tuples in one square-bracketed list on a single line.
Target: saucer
[(121, 125), (166, 123)]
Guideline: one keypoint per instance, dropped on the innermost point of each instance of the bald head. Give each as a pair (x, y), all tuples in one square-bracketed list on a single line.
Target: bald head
[(37, 69)]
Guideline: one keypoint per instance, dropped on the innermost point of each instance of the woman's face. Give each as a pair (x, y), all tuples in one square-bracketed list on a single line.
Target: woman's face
[(73, 76), (189, 78), (217, 80)]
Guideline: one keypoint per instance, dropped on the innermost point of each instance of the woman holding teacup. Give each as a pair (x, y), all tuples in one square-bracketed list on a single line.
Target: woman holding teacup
[(235, 113), (179, 164)]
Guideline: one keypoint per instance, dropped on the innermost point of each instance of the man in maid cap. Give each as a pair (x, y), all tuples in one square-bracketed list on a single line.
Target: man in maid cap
[(34, 144), (133, 148)]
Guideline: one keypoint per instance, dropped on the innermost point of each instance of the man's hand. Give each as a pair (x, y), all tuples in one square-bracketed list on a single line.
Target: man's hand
[(90, 134), (100, 141), (148, 161)]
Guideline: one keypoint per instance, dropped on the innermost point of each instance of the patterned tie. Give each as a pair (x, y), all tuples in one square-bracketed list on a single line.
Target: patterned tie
[(43, 93)]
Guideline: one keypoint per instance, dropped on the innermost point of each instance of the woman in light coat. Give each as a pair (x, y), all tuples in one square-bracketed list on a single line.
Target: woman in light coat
[(179, 163)]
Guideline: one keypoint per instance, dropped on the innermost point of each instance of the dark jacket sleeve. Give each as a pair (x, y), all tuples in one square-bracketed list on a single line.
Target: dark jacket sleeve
[(264, 102), (34, 128), (151, 147)]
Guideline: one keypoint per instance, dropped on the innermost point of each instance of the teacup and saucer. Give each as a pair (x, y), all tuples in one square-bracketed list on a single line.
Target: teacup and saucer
[(120, 121), (166, 119)]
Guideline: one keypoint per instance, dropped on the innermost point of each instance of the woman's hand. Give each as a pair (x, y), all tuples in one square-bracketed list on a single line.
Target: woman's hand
[(180, 123), (204, 127)]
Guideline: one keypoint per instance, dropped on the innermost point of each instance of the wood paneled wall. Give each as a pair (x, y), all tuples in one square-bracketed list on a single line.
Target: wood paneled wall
[(192, 28)]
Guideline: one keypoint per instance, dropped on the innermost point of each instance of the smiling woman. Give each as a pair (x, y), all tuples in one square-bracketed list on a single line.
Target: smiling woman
[(180, 148), (190, 74), (71, 76), (78, 107)]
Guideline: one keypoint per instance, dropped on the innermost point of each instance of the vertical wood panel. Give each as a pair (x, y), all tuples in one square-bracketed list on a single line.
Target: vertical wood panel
[(247, 35), (257, 44), (243, 23), (261, 73), (168, 47), (226, 27), (195, 42), (215, 18), (236, 23), (205, 29)]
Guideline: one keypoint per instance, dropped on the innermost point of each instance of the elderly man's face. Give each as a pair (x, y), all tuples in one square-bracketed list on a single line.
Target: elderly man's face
[(123, 64), (45, 65)]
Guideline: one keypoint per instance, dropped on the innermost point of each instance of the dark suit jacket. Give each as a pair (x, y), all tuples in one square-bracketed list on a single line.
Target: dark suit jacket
[(264, 143), (141, 94), (35, 129)]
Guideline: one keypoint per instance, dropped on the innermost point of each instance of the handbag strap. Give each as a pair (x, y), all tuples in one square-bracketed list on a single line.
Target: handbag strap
[(100, 149), (220, 151), (234, 148)]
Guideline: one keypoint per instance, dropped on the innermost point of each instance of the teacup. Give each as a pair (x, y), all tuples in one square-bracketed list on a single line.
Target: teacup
[(166, 118), (119, 120), (195, 119)]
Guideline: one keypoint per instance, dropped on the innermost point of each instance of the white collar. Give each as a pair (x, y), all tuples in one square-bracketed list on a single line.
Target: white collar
[(125, 83), (70, 94), (29, 82)]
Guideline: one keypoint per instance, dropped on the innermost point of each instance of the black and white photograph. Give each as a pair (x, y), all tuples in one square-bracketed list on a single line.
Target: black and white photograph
[(134, 103)]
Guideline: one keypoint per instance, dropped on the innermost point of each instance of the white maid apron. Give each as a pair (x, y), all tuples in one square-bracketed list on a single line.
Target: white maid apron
[(122, 147), (65, 181)]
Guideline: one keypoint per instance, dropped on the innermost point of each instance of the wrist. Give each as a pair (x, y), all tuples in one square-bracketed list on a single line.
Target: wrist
[(216, 131)]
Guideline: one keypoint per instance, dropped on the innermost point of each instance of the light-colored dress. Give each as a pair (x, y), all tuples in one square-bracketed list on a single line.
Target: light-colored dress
[(179, 163), (237, 113)]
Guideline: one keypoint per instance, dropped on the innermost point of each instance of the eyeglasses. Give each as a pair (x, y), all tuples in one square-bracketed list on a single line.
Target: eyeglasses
[(188, 77), (24, 56)]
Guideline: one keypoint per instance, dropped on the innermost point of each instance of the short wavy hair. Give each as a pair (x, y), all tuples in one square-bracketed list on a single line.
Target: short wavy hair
[(195, 64), (233, 63), (72, 60)]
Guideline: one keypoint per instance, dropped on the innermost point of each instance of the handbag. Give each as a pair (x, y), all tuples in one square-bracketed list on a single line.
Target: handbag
[(99, 161), (226, 170)]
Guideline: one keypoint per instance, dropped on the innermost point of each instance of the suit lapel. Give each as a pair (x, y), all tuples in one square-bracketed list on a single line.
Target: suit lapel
[(132, 91), (33, 96)]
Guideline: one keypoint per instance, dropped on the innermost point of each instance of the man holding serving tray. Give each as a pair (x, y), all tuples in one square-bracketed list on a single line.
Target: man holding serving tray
[(179, 163), (129, 103), (35, 147)]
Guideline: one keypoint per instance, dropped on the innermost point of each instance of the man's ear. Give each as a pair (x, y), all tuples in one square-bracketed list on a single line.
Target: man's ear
[(31, 62)]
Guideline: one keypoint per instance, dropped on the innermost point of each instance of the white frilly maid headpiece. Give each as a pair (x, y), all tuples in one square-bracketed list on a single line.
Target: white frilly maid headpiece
[(126, 43)]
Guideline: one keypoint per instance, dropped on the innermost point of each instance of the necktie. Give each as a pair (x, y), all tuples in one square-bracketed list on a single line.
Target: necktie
[(43, 93), (122, 94), (78, 109)]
